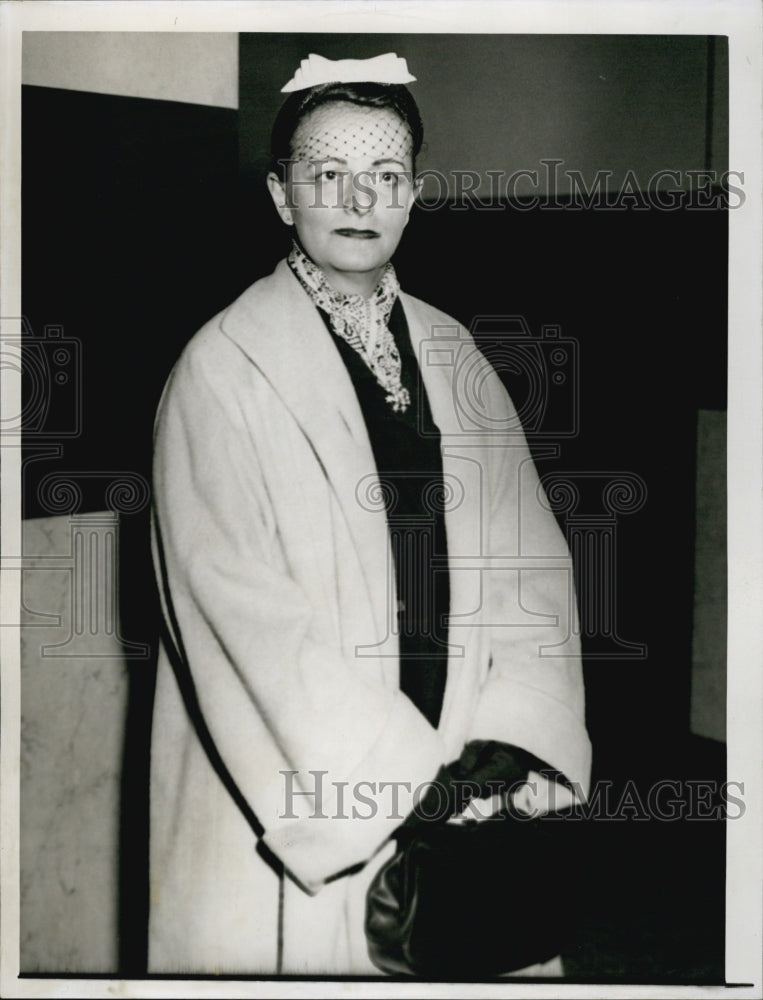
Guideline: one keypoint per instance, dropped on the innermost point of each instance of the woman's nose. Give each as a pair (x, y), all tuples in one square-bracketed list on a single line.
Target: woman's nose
[(358, 196)]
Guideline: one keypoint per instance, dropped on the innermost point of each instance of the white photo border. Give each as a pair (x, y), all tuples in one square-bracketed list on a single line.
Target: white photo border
[(741, 22)]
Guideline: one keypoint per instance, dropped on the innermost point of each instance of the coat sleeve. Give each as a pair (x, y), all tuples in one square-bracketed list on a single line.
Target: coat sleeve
[(273, 695), (533, 696)]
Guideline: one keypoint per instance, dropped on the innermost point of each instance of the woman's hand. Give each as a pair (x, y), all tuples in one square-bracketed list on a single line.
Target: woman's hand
[(533, 797), (538, 795), (488, 777)]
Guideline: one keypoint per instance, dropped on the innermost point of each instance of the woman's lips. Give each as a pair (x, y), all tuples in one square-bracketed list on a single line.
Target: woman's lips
[(358, 234)]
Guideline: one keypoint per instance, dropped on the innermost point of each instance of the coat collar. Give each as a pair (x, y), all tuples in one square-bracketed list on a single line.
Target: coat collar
[(279, 329), (277, 326)]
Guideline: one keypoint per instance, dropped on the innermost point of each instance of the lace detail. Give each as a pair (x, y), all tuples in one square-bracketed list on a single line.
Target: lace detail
[(346, 130), (361, 322)]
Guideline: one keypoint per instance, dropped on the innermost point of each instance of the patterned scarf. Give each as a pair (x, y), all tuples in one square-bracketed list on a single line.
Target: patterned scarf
[(361, 322)]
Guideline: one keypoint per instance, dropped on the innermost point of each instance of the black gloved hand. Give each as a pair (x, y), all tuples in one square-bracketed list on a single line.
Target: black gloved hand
[(485, 768), (493, 766)]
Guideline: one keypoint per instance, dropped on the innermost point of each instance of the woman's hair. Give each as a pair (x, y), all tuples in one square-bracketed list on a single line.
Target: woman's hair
[(297, 106)]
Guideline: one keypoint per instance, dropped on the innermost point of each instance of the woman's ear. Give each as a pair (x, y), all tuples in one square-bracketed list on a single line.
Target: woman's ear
[(277, 190)]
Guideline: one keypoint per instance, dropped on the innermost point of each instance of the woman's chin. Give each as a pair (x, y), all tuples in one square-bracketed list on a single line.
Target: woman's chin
[(350, 266), (358, 259)]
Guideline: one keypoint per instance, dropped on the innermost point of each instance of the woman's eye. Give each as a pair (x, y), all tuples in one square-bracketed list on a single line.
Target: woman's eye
[(389, 177), (330, 175)]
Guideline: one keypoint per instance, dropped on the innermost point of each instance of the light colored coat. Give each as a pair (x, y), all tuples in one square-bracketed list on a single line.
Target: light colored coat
[(273, 555)]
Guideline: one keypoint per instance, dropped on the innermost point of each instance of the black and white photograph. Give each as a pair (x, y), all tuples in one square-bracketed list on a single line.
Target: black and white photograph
[(381, 526)]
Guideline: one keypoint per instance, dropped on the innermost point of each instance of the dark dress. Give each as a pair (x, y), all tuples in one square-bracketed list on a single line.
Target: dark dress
[(406, 447)]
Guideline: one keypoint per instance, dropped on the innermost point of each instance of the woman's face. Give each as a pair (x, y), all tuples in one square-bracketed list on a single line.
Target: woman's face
[(349, 191)]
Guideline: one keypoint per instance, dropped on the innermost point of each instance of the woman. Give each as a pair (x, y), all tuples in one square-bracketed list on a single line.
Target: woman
[(338, 539)]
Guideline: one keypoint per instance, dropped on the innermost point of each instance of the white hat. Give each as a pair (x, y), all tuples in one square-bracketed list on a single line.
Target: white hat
[(314, 70)]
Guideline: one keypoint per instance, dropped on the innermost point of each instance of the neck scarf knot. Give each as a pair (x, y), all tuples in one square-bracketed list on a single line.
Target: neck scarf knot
[(361, 322)]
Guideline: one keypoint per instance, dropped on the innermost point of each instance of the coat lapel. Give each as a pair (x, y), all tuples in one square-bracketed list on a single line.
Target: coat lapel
[(277, 326)]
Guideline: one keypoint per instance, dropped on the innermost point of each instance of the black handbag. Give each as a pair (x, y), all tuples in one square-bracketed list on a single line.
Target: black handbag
[(474, 899)]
